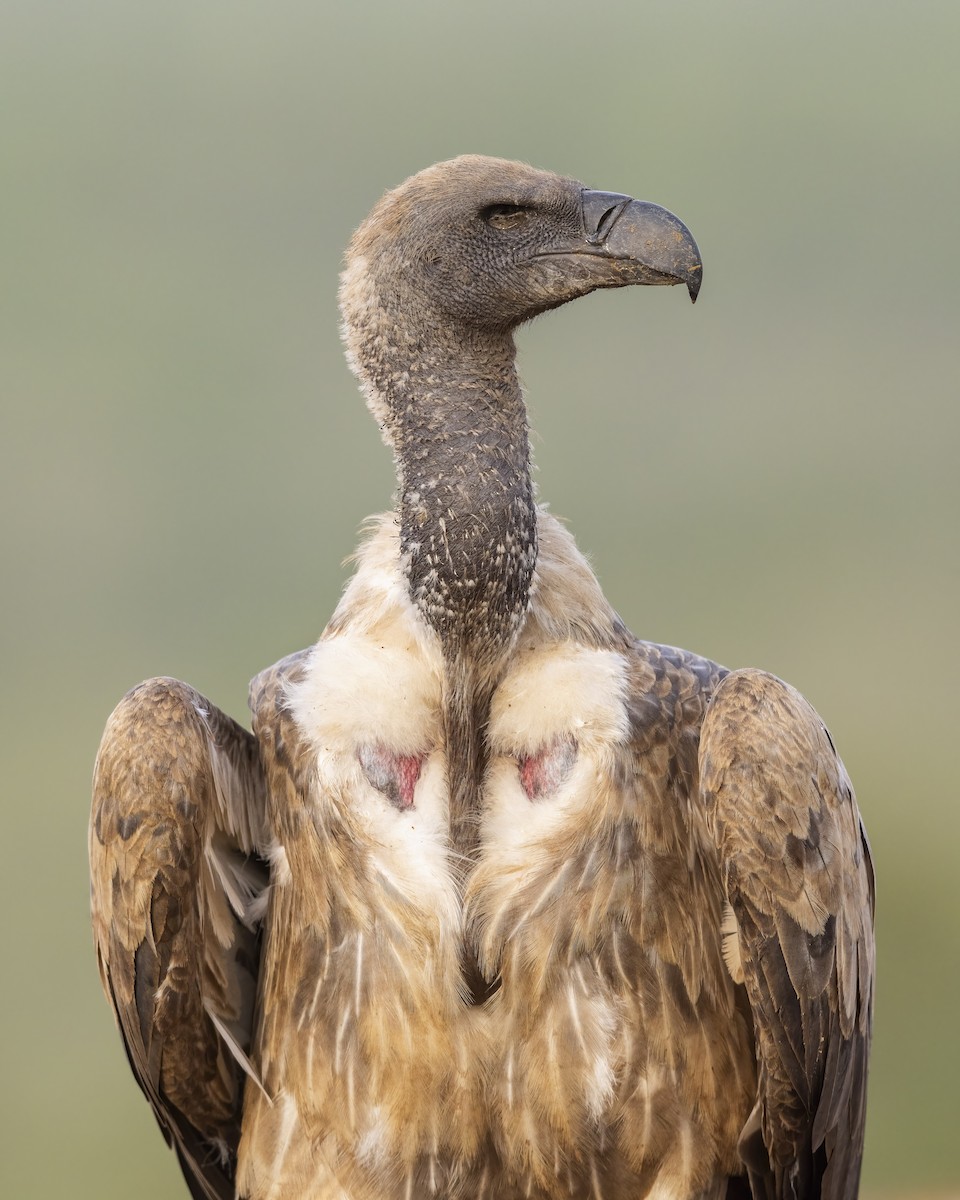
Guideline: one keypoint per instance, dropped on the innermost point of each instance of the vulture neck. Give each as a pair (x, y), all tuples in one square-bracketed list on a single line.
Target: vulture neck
[(449, 403), (467, 519)]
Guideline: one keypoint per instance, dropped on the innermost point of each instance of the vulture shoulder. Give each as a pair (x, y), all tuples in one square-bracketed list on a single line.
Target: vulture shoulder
[(799, 887), (283, 752), (177, 819)]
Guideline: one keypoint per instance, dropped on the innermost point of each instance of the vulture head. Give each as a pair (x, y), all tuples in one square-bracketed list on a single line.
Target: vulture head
[(484, 244)]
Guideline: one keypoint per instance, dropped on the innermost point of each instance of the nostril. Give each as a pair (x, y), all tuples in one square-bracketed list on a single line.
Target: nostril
[(607, 220), (600, 211)]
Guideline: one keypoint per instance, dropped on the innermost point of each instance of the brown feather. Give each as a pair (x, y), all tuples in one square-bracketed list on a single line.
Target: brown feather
[(177, 787), (798, 875)]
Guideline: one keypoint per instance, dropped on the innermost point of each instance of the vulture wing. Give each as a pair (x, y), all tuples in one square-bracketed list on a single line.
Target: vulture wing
[(798, 932), (178, 807)]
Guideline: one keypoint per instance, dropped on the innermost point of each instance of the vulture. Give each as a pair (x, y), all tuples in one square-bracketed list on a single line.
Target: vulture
[(496, 901)]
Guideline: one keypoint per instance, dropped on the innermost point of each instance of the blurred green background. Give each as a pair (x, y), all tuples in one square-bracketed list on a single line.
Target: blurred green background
[(770, 478)]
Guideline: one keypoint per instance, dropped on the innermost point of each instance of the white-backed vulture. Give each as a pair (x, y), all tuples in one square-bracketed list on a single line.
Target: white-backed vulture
[(497, 901)]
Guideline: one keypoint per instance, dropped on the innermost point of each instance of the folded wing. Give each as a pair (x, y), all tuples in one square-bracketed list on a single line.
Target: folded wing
[(799, 930), (176, 884)]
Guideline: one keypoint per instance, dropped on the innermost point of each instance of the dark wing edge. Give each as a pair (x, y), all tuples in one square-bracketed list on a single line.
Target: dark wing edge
[(799, 930), (178, 816)]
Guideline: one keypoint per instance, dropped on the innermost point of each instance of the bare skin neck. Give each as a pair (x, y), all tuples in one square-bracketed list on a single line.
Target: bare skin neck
[(467, 516)]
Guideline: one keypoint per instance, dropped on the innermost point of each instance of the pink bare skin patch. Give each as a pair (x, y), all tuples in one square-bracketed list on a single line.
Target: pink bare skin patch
[(395, 775), (545, 772)]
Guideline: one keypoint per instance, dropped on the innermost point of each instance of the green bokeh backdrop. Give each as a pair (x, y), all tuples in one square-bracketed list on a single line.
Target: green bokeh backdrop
[(770, 478)]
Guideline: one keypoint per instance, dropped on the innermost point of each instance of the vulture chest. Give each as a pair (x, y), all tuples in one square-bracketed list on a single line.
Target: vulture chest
[(610, 1055)]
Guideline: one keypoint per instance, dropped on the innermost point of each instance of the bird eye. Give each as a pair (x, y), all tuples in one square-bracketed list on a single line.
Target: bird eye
[(505, 216)]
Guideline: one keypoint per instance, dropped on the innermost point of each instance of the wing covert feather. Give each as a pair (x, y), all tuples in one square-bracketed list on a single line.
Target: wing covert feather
[(799, 881), (178, 808)]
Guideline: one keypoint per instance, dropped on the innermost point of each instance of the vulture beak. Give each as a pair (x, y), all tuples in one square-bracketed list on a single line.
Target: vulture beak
[(647, 244)]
